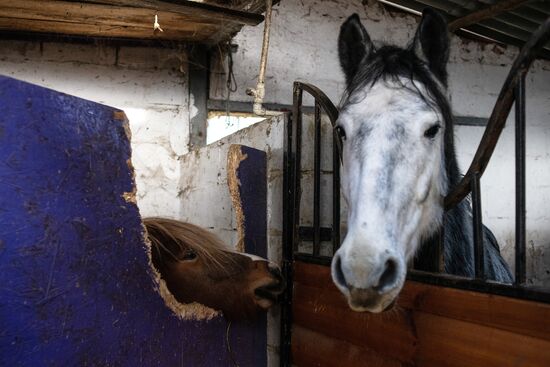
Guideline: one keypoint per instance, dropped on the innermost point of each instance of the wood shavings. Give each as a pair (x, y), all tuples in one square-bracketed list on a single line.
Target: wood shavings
[(234, 158)]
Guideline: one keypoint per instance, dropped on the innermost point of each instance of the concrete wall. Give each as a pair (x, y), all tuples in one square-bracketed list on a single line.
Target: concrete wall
[(149, 84), (303, 47)]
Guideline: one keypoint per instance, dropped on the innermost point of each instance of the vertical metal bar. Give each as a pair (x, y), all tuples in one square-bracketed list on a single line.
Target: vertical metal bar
[(335, 193), (317, 182), (288, 245), (520, 182), (479, 255), (441, 247), (291, 218), (297, 157)]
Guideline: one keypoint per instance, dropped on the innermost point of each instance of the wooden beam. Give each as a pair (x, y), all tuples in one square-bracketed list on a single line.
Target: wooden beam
[(124, 19), (485, 13), (191, 8)]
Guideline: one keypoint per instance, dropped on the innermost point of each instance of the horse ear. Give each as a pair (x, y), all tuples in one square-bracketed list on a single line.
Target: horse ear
[(354, 44), (431, 43)]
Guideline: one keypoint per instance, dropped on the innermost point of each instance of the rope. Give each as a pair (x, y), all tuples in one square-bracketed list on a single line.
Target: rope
[(259, 92), (230, 84)]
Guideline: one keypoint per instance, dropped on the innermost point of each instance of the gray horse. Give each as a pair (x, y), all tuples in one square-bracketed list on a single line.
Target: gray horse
[(398, 165)]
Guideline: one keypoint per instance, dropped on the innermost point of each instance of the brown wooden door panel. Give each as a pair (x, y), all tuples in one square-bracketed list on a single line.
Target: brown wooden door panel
[(431, 326), (315, 349)]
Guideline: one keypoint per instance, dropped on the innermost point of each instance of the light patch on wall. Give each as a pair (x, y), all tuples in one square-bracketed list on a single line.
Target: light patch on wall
[(220, 125)]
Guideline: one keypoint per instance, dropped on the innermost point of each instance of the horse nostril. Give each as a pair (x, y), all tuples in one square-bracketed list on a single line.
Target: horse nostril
[(389, 275), (274, 270), (340, 277)]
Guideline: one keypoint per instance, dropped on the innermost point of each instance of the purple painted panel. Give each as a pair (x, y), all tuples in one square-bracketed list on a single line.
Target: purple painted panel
[(74, 283)]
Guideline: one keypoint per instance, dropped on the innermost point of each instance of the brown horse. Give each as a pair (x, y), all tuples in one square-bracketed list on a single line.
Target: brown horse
[(198, 267)]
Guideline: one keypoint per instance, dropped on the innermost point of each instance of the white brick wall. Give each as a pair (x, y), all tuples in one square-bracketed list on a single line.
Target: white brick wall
[(147, 83)]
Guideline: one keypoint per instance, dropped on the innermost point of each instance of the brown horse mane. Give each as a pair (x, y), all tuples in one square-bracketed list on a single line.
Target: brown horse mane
[(174, 236)]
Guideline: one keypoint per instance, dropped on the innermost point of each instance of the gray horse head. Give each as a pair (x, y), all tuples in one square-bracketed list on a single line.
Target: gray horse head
[(393, 124)]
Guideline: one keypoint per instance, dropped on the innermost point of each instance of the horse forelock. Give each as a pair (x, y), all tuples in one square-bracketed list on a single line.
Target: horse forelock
[(173, 236)]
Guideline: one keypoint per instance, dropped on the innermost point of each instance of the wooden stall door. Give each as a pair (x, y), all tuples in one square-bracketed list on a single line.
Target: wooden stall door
[(431, 326)]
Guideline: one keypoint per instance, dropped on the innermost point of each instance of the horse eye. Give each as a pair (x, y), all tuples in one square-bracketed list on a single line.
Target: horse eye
[(341, 132), (432, 131), (188, 255)]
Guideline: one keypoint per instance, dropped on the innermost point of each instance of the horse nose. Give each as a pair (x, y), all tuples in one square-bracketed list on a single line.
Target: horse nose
[(275, 270), (380, 278), (269, 293)]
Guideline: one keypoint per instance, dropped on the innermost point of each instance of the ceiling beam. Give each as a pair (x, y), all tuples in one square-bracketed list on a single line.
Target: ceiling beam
[(485, 13), (182, 21)]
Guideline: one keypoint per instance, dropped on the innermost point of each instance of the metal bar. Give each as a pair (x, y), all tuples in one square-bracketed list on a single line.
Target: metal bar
[(297, 166), (307, 234), (479, 255), (317, 181), (477, 285), (308, 258), (321, 98), (336, 159), (291, 195), (520, 183), (441, 248), (291, 217), (500, 113), (288, 246), (485, 13), (246, 107)]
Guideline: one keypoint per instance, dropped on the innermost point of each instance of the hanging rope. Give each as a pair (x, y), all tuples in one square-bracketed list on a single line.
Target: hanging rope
[(259, 92), (230, 84)]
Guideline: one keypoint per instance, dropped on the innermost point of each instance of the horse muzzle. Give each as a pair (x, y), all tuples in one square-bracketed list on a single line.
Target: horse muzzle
[(269, 293), (369, 286)]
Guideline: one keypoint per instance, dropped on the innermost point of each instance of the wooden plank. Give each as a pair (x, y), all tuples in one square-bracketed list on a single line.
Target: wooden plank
[(43, 26), (72, 12), (446, 342), (106, 19), (520, 316), (195, 9), (314, 349), (324, 310)]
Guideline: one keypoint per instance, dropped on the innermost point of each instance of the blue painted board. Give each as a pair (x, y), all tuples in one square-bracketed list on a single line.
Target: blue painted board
[(74, 283), (251, 175)]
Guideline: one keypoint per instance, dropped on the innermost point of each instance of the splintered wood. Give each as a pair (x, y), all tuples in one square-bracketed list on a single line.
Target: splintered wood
[(234, 158)]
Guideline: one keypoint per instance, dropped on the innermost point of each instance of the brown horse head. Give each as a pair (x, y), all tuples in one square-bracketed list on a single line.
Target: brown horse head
[(198, 267)]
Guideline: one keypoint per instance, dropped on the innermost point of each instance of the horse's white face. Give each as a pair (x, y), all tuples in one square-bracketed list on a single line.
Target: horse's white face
[(393, 178)]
